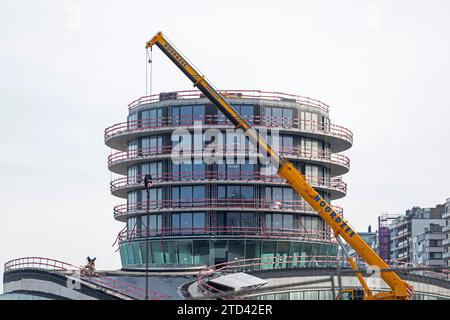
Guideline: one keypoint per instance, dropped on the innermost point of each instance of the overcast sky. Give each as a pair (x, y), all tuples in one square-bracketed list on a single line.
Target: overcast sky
[(69, 69)]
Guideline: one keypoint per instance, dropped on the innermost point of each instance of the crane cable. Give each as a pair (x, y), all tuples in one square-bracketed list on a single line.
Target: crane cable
[(149, 61)]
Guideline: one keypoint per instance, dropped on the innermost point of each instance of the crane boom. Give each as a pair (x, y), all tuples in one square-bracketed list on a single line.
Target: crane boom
[(340, 227)]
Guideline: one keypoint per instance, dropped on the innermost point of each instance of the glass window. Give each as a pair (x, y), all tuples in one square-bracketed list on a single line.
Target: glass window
[(233, 171), (175, 223), (186, 195), (131, 224), (268, 254), (277, 221), (176, 196), (198, 171), (233, 192), (198, 194), (287, 144), (199, 220), (288, 221), (184, 252), (198, 112), (185, 171), (175, 115), (133, 121), (170, 252), (233, 219), (186, 220), (247, 112), (235, 250), (186, 115), (247, 219), (201, 252), (287, 117), (157, 252), (247, 192)]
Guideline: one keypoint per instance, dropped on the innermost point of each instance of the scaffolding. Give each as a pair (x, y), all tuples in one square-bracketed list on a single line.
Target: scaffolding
[(384, 236)]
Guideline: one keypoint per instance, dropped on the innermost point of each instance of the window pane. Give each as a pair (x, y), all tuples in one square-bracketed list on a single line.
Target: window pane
[(186, 220), (233, 219), (175, 115), (199, 112), (185, 252), (175, 223), (199, 220), (277, 221), (247, 219), (288, 221), (186, 115)]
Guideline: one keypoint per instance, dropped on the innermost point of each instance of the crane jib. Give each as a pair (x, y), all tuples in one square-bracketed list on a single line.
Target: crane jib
[(174, 54), (400, 288), (334, 216)]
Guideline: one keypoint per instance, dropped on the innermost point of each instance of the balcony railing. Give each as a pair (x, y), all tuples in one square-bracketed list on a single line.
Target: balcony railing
[(227, 151), (303, 125), (229, 231), (264, 263), (210, 176), (100, 281), (216, 204), (234, 93)]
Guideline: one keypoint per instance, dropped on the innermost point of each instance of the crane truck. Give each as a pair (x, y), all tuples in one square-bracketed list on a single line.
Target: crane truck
[(400, 290)]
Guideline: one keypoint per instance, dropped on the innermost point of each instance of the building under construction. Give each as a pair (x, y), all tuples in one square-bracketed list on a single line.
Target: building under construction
[(199, 230)]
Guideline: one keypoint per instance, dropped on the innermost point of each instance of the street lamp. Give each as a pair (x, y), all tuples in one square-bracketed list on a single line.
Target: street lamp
[(148, 182)]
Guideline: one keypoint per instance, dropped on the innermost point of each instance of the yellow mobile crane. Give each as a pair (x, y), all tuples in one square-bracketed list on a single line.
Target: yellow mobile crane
[(400, 290)]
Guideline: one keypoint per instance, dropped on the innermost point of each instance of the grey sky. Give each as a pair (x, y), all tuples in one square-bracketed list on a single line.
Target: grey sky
[(383, 66)]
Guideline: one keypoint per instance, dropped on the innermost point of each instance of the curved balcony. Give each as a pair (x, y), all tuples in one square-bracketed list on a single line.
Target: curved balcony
[(222, 231), (121, 186), (338, 137), (257, 95), (118, 162), (126, 210)]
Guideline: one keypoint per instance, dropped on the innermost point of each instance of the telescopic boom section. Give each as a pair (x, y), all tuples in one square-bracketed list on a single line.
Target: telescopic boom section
[(340, 227)]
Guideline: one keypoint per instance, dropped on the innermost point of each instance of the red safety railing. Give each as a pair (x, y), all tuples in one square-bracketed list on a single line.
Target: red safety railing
[(218, 204), (39, 263), (94, 278), (265, 263), (208, 176), (234, 93), (133, 126), (226, 151), (238, 231)]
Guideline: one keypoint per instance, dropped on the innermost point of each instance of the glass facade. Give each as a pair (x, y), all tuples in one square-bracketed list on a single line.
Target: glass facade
[(198, 213), (205, 252)]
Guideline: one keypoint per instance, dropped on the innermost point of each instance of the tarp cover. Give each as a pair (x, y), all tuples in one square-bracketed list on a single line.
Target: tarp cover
[(239, 281)]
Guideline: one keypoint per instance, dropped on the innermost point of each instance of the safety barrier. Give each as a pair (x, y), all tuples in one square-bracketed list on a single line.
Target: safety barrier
[(226, 150), (213, 176), (135, 208), (265, 263), (241, 232), (103, 282), (232, 93), (171, 122)]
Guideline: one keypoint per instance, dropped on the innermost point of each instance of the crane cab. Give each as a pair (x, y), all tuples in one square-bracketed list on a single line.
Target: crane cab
[(350, 294)]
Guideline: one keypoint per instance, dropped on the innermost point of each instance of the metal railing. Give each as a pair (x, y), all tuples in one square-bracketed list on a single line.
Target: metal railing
[(310, 126), (101, 281), (226, 150), (265, 263), (236, 231), (234, 93), (136, 208), (213, 176)]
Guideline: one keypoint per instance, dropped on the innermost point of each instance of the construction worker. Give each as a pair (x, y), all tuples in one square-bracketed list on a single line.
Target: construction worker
[(90, 266)]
